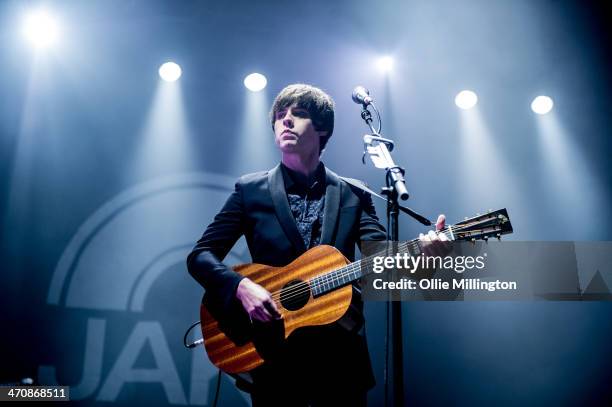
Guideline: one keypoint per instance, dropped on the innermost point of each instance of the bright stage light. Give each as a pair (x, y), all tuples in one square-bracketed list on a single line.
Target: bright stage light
[(466, 99), (170, 71), (542, 105), (41, 29), (385, 64), (255, 82)]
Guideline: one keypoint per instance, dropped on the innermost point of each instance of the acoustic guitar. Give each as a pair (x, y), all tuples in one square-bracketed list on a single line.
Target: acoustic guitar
[(315, 289)]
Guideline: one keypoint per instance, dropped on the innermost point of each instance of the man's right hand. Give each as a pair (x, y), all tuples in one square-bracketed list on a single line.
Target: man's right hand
[(257, 301)]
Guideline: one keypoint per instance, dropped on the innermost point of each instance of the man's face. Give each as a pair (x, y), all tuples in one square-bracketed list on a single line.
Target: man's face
[(294, 131)]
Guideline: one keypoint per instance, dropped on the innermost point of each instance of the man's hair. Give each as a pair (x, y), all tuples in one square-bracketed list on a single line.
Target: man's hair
[(320, 107)]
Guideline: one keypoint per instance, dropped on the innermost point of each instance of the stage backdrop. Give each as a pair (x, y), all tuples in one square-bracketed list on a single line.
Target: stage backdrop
[(109, 175)]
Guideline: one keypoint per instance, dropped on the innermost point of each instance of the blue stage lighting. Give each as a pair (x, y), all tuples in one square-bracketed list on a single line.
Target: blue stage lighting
[(41, 29), (542, 105), (466, 99), (255, 82), (170, 71)]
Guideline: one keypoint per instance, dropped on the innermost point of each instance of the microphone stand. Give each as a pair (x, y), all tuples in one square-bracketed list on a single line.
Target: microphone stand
[(379, 149)]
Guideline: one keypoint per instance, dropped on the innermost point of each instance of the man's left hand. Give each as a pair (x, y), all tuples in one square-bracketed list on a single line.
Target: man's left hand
[(435, 243)]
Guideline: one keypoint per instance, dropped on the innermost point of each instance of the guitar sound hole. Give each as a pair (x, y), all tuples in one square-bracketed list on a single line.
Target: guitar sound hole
[(295, 295)]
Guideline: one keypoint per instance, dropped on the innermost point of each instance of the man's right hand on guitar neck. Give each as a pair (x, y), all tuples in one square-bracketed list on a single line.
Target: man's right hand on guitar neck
[(257, 301)]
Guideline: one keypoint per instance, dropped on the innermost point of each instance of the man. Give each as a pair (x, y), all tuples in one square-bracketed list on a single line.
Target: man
[(282, 213)]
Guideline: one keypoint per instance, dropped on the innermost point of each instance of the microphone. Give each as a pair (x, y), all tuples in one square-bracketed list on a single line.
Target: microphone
[(361, 96)]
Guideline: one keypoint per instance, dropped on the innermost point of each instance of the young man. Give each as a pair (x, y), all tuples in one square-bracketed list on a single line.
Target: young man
[(283, 212)]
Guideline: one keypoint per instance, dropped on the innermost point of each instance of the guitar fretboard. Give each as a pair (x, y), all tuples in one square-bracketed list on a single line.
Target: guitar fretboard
[(480, 227), (338, 278)]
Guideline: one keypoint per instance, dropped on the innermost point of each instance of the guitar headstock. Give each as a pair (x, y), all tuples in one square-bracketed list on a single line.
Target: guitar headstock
[(482, 227)]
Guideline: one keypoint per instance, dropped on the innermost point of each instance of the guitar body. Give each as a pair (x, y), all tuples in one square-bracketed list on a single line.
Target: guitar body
[(297, 306)]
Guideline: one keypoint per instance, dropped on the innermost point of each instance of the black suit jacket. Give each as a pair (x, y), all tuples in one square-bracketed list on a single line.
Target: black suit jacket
[(259, 210)]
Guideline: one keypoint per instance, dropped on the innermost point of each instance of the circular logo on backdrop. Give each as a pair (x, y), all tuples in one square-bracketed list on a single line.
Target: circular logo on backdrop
[(121, 249), (113, 263)]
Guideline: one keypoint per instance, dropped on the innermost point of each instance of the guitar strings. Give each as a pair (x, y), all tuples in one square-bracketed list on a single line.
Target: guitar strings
[(334, 276), (328, 279), (353, 271), (347, 270), (331, 277)]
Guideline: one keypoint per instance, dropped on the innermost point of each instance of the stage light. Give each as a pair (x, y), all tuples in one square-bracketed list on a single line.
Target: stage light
[(170, 71), (385, 64), (41, 29), (255, 82), (466, 99), (542, 105)]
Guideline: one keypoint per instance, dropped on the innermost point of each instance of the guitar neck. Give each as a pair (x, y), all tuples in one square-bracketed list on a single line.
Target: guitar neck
[(354, 271), (481, 227)]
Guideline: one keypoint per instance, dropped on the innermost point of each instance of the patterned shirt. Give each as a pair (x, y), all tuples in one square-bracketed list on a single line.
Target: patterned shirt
[(306, 197)]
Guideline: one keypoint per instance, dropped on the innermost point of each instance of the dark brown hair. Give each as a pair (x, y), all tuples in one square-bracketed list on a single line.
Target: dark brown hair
[(320, 107)]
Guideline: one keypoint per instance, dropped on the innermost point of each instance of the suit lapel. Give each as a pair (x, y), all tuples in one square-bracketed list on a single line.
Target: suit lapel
[(282, 209), (332, 207)]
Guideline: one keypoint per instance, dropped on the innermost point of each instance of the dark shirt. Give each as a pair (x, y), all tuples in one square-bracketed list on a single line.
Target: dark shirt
[(306, 197)]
